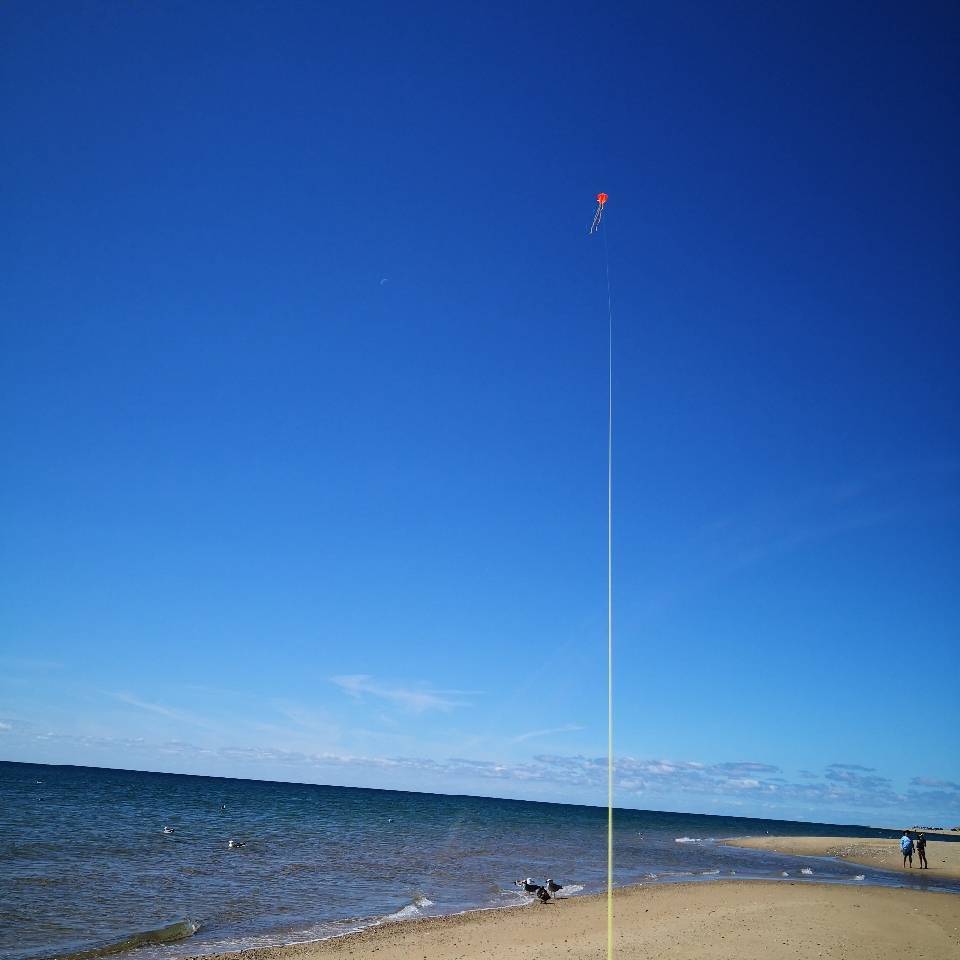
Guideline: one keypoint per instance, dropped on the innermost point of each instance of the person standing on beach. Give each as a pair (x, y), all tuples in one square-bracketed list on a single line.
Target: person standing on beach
[(906, 847), (922, 851)]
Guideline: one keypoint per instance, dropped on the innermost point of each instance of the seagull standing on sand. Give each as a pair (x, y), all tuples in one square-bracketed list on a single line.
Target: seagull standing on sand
[(553, 887)]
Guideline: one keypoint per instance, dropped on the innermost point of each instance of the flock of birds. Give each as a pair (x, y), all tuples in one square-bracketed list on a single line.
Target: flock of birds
[(231, 844), (542, 891)]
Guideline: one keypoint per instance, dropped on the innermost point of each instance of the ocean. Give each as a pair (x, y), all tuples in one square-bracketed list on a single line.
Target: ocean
[(87, 869)]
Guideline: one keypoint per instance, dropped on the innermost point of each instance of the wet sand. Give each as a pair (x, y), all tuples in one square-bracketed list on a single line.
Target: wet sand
[(943, 856), (717, 920)]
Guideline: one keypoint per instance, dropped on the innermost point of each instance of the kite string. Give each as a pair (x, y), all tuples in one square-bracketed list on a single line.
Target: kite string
[(606, 257)]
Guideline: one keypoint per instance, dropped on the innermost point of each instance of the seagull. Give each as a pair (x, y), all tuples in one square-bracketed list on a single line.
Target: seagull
[(169, 830), (235, 845), (529, 885), (553, 887), (542, 895)]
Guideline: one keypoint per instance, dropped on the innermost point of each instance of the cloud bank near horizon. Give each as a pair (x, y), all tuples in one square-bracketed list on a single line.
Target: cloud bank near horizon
[(750, 788)]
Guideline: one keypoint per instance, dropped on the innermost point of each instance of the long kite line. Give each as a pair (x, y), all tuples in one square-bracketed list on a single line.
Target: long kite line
[(594, 228)]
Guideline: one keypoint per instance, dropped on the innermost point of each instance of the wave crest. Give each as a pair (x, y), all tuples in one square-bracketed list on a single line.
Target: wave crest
[(168, 934)]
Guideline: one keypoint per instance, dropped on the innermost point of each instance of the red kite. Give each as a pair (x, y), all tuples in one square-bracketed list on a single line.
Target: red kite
[(601, 200)]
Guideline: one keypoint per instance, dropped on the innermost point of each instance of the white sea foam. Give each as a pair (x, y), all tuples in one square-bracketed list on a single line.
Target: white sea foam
[(784, 874), (860, 876), (569, 889), (709, 873), (807, 872), (518, 897), (410, 910), (688, 840)]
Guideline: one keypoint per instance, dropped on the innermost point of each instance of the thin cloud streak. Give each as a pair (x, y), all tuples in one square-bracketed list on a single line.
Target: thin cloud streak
[(170, 713), (415, 699), (566, 728)]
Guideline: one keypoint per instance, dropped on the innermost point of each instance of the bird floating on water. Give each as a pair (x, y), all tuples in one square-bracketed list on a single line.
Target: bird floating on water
[(235, 844), (169, 830)]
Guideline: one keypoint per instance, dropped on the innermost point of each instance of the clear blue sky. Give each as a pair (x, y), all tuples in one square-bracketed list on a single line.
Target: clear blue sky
[(304, 391)]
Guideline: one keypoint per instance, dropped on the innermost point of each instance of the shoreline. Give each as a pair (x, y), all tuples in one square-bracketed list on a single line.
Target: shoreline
[(942, 856), (382, 925), (804, 847), (867, 851), (746, 919)]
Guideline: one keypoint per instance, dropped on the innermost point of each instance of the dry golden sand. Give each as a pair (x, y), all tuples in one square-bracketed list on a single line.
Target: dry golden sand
[(719, 920), (943, 856)]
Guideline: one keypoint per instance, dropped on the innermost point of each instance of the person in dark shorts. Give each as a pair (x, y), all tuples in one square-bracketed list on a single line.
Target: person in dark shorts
[(921, 845), (906, 847)]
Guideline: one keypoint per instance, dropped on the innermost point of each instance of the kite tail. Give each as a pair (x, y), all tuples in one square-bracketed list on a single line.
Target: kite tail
[(596, 219)]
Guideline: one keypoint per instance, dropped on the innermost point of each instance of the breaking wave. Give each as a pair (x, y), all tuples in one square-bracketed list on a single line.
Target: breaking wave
[(410, 911), (168, 934)]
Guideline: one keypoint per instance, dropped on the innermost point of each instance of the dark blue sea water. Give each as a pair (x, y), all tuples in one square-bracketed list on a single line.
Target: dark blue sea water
[(85, 862)]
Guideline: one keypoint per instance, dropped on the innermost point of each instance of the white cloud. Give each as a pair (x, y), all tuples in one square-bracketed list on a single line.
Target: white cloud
[(746, 766), (159, 709), (416, 699), (308, 719), (32, 664), (567, 728), (932, 782)]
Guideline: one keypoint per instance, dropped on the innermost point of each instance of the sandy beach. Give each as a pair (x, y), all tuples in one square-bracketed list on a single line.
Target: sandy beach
[(747, 920), (943, 856)]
